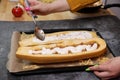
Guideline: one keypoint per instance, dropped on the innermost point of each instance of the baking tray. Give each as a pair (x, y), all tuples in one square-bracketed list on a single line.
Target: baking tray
[(59, 69)]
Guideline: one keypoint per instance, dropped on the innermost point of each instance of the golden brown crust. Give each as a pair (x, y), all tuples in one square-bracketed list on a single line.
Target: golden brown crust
[(22, 52)]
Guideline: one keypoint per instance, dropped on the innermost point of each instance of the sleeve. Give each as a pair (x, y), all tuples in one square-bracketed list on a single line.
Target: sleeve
[(76, 5)]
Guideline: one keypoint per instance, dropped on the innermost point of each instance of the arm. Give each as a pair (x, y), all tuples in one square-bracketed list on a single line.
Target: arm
[(46, 8), (58, 6)]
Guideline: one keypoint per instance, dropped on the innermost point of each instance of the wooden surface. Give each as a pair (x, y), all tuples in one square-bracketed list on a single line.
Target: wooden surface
[(6, 15)]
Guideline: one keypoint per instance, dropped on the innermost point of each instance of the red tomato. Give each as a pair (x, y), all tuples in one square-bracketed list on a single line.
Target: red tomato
[(17, 11)]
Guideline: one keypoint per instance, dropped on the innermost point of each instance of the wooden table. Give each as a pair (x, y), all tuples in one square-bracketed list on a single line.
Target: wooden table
[(6, 14)]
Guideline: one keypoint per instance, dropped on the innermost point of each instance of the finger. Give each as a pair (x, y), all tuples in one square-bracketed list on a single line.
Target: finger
[(105, 75), (36, 7), (101, 74), (99, 68)]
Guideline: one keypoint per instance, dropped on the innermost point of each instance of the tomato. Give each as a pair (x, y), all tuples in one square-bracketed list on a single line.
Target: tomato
[(17, 11)]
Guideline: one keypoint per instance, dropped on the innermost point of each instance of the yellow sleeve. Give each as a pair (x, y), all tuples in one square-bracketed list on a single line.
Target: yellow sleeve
[(76, 5)]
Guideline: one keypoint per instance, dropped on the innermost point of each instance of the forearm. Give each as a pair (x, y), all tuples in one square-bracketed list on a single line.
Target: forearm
[(59, 6), (79, 4)]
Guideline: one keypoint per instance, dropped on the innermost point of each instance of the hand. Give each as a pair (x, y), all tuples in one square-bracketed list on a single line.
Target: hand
[(38, 7), (108, 70), (41, 8)]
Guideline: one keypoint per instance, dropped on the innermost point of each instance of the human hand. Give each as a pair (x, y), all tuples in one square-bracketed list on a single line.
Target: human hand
[(38, 7), (107, 70), (41, 8)]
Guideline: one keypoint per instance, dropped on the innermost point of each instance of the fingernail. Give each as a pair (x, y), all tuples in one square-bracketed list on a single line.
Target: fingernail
[(88, 69), (96, 65), (27, 8)]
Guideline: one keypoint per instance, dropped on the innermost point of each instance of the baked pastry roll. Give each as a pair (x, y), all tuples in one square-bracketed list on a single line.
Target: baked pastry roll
[(63, 51)]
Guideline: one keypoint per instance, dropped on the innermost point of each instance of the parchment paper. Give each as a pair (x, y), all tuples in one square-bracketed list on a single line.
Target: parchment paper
[(17, 65)]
